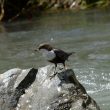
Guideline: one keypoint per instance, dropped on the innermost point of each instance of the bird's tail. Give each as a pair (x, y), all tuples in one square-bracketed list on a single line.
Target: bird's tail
[(69, 54)]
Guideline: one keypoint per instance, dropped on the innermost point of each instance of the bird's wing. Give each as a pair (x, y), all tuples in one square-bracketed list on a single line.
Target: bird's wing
[(61, 54)]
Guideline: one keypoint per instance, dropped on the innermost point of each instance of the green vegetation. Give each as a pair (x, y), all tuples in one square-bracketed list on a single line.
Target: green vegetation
[(12, 9)]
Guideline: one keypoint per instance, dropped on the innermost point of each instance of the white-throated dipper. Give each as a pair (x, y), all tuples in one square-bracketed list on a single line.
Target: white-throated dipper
[(53, 55)]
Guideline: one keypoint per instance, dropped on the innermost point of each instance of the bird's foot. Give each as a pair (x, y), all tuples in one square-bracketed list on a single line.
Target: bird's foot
[(53, 75)]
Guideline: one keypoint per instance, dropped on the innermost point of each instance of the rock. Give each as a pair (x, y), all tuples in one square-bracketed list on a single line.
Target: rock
[(33, 89)]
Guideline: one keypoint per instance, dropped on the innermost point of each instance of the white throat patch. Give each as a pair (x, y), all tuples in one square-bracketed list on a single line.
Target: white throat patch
[(49, 55)]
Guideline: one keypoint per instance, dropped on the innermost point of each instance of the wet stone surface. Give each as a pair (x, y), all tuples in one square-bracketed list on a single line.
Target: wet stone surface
[(37, 91)]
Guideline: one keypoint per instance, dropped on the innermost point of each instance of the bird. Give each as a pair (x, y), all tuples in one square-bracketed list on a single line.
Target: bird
[(53, 55)]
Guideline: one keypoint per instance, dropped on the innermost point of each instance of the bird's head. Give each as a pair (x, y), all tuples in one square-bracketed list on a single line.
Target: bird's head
[(46, 47)]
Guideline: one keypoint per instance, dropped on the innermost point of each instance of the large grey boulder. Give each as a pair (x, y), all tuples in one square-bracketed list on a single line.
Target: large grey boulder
[(34, 89)]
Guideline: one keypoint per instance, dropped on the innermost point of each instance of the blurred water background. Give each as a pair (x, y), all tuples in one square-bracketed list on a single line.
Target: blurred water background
[(86, 32)]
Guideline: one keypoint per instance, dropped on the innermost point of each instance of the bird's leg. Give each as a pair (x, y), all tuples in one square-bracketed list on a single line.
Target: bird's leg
[(55, 72), (65, 67), (55, 68)]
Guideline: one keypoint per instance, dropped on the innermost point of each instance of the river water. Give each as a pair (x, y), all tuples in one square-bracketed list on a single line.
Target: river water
[(87, 33)]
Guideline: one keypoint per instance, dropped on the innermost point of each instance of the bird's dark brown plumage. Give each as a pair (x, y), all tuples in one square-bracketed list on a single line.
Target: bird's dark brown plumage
[(60, 55)]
